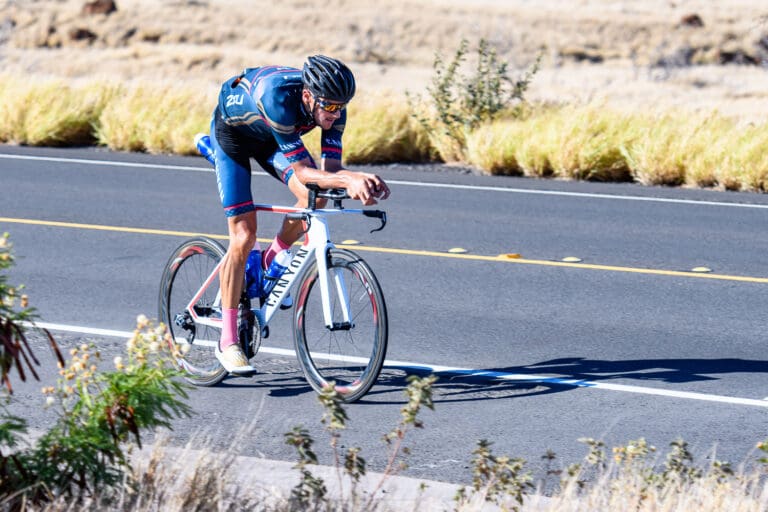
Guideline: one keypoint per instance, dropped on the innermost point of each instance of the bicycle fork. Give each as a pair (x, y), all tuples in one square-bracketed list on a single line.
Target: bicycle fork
[(331, 278)]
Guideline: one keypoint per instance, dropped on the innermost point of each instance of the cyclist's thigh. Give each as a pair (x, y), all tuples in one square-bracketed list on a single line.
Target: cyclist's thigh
[(277, 165), (233, 171)]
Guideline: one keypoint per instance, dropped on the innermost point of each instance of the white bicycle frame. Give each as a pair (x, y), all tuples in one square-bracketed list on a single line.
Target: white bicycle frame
[(317, 244)]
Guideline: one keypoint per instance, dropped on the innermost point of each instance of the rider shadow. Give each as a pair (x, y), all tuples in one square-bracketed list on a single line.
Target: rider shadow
[(279, 378), (563, 374)]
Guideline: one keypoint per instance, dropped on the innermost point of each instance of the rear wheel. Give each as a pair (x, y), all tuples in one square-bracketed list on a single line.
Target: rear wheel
[(350, 352), (187, 269)]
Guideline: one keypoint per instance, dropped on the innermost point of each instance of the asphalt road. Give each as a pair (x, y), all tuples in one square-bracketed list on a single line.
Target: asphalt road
[(534, 352)]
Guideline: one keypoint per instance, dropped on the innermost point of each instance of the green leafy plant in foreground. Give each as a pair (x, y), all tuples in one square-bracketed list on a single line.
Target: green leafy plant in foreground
[(15, 312), (15, 352), (99, 414)]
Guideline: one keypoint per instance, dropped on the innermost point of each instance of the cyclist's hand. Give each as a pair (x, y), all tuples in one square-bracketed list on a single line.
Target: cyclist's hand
[(367, 188)]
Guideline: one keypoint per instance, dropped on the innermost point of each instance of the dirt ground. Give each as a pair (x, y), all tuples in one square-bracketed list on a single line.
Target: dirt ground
[(695, 54)]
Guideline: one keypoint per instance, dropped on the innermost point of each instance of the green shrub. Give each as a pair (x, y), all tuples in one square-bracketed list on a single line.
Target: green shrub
[(14, 311), (458, 104), (99, 412)]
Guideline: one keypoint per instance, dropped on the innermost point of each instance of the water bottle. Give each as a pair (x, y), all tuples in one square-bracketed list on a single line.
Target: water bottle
[(253, 273), (275, 270), (203, 143)]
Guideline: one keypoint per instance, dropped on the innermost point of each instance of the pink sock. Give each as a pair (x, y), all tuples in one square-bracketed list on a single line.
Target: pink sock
[(228, 327), (275, 247)]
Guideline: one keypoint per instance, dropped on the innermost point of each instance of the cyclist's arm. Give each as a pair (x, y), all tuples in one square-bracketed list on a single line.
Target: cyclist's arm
[(330, 145), (365, 187), (359, 185), (331, 164), (331, 151)]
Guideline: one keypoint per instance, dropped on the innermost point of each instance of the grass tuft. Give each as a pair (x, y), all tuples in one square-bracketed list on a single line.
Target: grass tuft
[(380, 129), (50, 112), (155, 119)]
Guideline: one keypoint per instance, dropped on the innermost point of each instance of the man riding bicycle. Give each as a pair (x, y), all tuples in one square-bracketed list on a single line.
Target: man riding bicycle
[(261, 114)]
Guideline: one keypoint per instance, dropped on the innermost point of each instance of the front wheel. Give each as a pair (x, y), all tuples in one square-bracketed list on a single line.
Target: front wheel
[(350, 350)]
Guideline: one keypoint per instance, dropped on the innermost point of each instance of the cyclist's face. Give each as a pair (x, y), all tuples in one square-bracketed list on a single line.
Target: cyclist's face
[(325, 112)]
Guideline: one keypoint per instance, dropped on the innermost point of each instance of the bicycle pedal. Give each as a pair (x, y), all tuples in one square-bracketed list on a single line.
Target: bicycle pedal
[(265, 332)]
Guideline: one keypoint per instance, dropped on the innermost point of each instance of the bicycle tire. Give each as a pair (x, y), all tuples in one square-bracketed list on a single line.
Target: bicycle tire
[(187, 269), (352, 355)]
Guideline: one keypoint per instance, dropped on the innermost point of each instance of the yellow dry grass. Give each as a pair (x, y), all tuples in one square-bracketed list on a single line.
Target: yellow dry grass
[(381, 130), (597, 143), (155, 119), (50, 112), (630, 491)]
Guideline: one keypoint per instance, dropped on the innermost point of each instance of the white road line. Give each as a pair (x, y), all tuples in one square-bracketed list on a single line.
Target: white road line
[(579, 194), (105, 162), (406, 183), (467, 372)]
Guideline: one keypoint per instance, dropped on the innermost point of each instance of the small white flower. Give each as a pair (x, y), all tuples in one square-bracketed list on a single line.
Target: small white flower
[(50, 401), (142, 321), (118, 362), (154, 346)]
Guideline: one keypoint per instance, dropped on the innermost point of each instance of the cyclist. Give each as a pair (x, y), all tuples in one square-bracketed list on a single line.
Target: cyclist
[(261, 114)]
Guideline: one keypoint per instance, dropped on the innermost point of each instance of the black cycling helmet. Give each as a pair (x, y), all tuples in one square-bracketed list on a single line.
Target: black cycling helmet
[(328, 78)]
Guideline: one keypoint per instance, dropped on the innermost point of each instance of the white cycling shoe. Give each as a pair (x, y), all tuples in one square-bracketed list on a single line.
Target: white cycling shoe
[(233, 360)]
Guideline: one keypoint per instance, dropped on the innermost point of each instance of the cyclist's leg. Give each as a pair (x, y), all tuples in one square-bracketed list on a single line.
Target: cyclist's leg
[(233, 175)]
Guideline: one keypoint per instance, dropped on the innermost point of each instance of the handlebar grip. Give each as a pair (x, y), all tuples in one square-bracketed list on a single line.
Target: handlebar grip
[(333, 193), (377, 214)]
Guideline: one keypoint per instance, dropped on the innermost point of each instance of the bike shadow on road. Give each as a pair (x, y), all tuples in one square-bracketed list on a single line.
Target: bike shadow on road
[(662, 370), (545, 377), (456, 387), (564, 374)]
